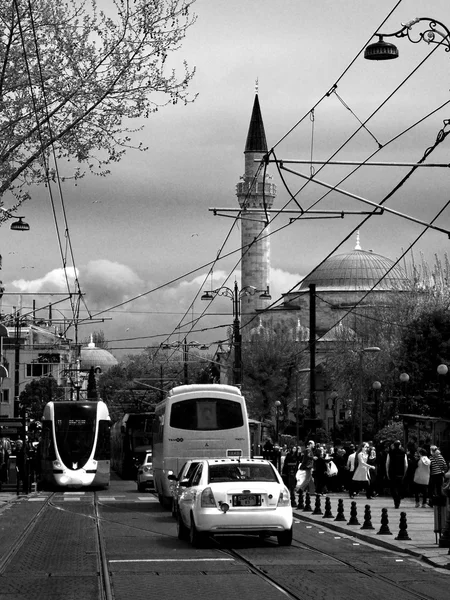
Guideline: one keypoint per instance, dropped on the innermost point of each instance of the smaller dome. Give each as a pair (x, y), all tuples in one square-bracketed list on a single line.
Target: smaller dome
[(91, 356)]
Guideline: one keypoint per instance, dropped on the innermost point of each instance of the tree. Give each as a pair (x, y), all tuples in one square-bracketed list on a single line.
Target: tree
[(272, 359), (71, 77), (37, 393)]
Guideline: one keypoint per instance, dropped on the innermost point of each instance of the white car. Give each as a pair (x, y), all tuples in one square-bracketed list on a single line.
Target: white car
[(144, 477), (233, 496), (184, 475)]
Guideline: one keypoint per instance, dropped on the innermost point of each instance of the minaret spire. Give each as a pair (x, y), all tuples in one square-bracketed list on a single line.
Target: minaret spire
[(358, 246), (255, 193)]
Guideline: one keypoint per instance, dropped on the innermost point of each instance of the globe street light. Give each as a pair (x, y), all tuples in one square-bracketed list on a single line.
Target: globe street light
[(277, 408), (442, 372), (376, 386), (235, 296), (404, 378)]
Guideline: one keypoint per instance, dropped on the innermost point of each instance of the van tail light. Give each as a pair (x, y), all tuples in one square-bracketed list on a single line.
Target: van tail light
[(207, 498), (285, 497)]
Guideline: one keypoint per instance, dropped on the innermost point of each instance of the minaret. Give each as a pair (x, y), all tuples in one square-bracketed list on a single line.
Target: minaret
[(256, 194)]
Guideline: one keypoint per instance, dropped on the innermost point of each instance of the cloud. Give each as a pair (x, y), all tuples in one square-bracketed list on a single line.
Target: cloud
[(149, 320)]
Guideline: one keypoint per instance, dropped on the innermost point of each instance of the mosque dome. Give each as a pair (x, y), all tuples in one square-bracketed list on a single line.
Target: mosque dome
[(357, 271), (91, 356)]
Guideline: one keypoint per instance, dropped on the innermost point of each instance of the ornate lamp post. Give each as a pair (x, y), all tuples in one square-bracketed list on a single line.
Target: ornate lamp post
[(435, 32), (235, 294), (19, 225)]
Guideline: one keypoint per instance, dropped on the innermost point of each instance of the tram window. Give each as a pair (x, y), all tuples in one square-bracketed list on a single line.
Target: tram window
[(103, 449)]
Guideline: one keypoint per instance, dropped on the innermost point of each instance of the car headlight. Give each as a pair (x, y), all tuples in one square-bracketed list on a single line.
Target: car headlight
[(207, 498), (285, 497)]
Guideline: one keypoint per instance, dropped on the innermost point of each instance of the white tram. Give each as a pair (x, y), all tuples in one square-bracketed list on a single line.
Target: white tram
[(75, 449)]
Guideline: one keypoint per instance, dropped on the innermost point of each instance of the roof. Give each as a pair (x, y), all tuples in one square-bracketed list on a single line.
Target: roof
[(355, 271), (91, 356), (256, 137)]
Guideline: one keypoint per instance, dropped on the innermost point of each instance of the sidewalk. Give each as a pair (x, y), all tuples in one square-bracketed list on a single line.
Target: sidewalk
[(423, 543)]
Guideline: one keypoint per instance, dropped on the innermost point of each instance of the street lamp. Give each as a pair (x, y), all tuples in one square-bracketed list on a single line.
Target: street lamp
[(369, 350), (404, 378), (277, 416), (185, 345), (382, 50), (442, 372), (235, 296), (376, 386), (19, 225)]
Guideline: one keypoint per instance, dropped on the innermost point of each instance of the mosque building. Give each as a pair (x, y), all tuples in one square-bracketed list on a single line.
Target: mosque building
[(360, 277)]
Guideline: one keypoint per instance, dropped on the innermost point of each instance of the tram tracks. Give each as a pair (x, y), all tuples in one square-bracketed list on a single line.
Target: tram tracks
[(24, 535)]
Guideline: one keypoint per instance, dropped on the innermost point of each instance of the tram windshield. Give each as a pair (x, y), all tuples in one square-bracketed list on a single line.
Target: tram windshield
[(75, 432)]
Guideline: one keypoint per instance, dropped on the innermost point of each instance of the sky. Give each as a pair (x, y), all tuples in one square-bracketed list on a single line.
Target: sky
[(146, 231)]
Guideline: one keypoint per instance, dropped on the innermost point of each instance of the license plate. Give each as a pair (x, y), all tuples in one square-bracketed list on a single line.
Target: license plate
[(246, 500), (234, 452)]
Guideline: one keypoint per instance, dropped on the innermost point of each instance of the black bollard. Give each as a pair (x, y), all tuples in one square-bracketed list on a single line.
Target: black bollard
[(367, 518), (301, 501), (403, 531), (384, 529), (340, 511), (353, 515), (317, 509), (308, 507), (328, 514)]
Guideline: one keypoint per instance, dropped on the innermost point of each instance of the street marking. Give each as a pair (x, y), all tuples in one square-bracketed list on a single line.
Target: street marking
[(147, 560), (72, 499), (74, 493), (37, 499)]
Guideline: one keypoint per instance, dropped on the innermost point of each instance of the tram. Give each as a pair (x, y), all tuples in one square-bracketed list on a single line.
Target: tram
[(76, 448)]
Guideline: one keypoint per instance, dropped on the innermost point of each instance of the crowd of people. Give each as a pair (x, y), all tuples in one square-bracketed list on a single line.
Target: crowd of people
[(373, 470), (26, 461)]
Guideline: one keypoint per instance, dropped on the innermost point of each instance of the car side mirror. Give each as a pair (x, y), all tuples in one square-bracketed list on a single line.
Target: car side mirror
[(171, 477)]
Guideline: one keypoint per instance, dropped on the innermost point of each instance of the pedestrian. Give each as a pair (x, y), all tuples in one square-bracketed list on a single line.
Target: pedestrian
[(361, 474), (5, 453), (340, 461), (351, 471), (438, 466), (421, 477), (304, 473), (290, 468), (396, 467), (320, 472), (373, 462)]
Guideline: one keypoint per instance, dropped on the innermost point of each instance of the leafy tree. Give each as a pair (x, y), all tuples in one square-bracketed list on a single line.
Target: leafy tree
[(37, 393), (272, 359), (71, 76)]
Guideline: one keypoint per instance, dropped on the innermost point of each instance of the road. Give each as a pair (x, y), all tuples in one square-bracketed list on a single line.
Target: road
[(122, 545)]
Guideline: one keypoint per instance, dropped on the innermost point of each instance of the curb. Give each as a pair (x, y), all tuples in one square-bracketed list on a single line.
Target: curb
[(376, 541)]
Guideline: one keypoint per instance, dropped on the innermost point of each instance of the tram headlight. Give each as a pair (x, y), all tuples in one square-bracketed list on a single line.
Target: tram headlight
[(57, 464)]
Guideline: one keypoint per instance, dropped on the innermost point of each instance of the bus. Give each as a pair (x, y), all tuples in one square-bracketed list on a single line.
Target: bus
[(131, 440), (197, 421), (75, 447)]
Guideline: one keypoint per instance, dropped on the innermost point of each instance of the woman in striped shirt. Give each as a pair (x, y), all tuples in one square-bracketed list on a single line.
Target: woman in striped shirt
[(438, 466)]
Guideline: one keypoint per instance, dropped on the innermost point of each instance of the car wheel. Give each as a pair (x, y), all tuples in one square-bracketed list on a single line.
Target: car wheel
[(181, 529), (196, 538), (285, 538)]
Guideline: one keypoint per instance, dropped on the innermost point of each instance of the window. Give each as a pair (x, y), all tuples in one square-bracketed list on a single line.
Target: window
[(206, 414), (4, 397), (38, 370), (241, 472)]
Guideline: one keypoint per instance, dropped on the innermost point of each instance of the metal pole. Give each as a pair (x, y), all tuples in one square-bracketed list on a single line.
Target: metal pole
[(312, 349), (185, 362), (361, 396), (237, 340)]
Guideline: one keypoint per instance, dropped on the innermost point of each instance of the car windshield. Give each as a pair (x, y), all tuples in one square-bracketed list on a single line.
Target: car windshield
[(241, 472)]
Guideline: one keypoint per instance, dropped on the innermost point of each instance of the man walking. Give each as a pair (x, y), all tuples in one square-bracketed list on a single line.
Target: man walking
[(396, 467), (306, 467), (438, 467)]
